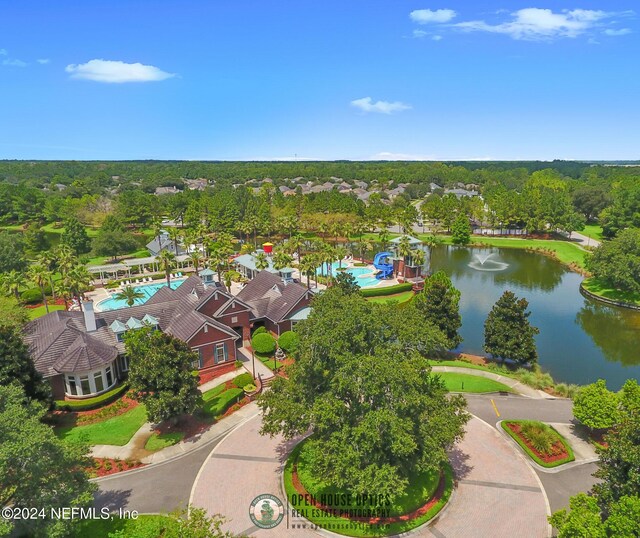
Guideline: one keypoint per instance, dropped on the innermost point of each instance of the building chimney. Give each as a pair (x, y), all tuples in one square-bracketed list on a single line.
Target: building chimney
[(89, 316)]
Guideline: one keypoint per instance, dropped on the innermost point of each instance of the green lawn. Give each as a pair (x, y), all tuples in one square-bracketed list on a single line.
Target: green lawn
[(565, 251), (471, 383), (421, 488), (158, 441), (115, 431), (142, 526), (40, 311), (219, 399), (593, 230), (464, 364), (598, 287), (398, 297)]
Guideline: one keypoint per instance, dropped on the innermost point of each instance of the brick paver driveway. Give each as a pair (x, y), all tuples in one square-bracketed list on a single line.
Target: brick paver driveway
[(497, 493)]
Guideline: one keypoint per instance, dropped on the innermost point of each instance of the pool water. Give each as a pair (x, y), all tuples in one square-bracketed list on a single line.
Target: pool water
[(362, 274), (148, 290)]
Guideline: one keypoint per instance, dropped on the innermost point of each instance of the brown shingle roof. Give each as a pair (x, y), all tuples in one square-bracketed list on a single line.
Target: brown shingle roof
[(269, 297)]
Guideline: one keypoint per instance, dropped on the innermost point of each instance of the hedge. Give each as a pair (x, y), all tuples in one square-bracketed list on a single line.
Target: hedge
[(259, 330), (263, 343), (242, 380), (387, 290), (34, 295), (92, 403), (288, 341)]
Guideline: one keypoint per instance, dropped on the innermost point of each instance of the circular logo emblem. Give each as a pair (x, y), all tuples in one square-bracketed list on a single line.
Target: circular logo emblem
[(266, 511)]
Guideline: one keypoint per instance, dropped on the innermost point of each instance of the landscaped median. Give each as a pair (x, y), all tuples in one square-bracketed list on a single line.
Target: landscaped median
[(542, 443), (357, 515)]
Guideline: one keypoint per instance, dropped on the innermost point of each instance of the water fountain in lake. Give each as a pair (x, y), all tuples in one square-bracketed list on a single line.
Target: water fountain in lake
[(483, 262)]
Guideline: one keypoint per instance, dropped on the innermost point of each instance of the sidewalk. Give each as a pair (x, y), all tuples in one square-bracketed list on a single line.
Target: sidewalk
[(244, 355), (512, 383), (139, 439)]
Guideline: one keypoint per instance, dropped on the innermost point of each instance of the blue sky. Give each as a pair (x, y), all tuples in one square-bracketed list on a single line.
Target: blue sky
[(356, 79)]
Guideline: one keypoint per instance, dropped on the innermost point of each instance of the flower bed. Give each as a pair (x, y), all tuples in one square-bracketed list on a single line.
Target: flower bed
[(541, 442), (106, 466)]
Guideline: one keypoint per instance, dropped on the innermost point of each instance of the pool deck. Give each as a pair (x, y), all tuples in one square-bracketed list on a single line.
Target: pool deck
[(102, 294)]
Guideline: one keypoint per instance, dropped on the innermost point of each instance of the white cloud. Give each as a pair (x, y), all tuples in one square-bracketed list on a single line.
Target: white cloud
[(539, 24), (366, 104), (43, 61), (427, 16), (14, 62), (621, 31), (436, 37), (419, 34), (3, 52), (116, 72)]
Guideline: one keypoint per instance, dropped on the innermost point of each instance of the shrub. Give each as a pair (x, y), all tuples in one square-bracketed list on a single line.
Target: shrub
[(242, 380), (218, 405), (263, 343), (388, 290), (541, 437), (238, 363), (359, 264), (33, 295), (289, 341), (92, 403), (259, 330), (250, 388)]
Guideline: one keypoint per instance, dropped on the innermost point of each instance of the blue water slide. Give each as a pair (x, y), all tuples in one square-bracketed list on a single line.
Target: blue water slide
[(382, 264)]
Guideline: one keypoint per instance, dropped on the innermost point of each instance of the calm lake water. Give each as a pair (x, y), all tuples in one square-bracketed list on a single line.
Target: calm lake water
[(580, 340)]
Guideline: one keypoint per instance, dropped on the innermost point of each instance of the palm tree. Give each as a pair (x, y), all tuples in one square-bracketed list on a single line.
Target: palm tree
[(65, 259), (195, 258), (229, 277), (383, 238), (336, 229), (40, 276), (130, 295), (418, 257), (365, 246), (167, 261), (218, 258), (48, 259), (295, 244), (262, 262), (308, 266), (76, 281), (404, 250), (281, 260), (174, 235), (11, 283), (340, 253)]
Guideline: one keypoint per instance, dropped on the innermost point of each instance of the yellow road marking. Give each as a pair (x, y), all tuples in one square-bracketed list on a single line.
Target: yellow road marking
[(495, 408)]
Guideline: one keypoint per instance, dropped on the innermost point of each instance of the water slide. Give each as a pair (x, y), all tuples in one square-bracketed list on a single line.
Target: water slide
[(381, 263)]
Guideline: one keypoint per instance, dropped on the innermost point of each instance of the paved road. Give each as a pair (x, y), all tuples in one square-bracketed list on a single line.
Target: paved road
[(164, 487), (491, 483), (561, 485)]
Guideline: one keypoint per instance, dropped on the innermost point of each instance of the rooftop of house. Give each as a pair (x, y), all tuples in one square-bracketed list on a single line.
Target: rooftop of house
[(249, 261)]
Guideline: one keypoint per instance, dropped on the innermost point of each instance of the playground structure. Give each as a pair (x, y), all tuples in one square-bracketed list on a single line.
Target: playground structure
[(383, 265)]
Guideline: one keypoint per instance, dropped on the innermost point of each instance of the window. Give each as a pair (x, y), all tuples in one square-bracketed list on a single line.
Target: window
[(124, 363), (120, 337), (199, 362), (234, 319), (84, 384), (107, 371), (71, 385), (97, 379), (220, 353)]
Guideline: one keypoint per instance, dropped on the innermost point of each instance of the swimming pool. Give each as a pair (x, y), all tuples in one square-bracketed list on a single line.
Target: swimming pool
[(362, 274), (149, 290)]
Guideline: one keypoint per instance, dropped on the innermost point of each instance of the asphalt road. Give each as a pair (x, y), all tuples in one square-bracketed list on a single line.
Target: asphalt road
[(560, 485), (160, 488), (166, 486)]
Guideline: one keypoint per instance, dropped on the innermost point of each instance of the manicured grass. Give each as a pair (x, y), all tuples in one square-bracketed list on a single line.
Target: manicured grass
[(421, 488), (143, 526), (40, 311), (464, 364), (566, 252), (471, 383), (593, 230), (115, 431), (50, 228), (158, 441), (267, 361), (212, 393), (398, 297), (529, 452), (216, 404), (600, 288)]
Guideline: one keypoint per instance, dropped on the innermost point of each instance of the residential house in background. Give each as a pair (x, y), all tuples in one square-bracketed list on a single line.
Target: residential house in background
[(164, 242)]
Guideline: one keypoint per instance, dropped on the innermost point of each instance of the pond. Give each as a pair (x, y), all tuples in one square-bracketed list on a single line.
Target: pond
[(580, 340)]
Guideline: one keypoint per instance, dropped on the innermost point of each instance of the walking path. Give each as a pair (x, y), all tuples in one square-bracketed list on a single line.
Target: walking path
[(517, 386), (135, 447), (497, 493), (244, 355), (584, 240)]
